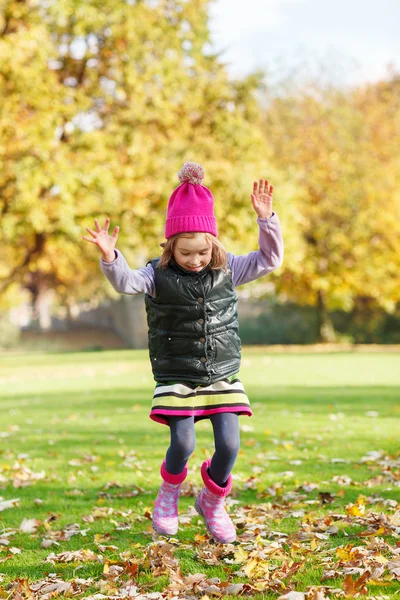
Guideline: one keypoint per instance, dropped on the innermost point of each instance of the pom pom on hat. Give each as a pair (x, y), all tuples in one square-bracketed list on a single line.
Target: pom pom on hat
[(191, 172), (191, 205)]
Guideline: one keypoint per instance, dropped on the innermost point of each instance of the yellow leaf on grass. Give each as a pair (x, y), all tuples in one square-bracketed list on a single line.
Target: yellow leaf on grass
[(262, 585), (240, 555), (250, 567), (380, 531), (314, 545), (380, 559), (346, 553), (100, 538), (357, 510), (287, 446)]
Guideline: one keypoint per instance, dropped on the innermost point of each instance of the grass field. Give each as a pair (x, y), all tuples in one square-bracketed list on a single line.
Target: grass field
[(316, 494)]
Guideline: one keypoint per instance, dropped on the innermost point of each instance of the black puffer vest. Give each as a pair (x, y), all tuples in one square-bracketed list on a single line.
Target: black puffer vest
[(193, 326)]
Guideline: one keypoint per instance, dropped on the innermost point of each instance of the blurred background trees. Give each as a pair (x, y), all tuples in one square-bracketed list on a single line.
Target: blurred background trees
[(101, 103), (338, 151)]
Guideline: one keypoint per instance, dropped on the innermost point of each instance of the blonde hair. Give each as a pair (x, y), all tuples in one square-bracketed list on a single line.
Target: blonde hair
[(219, 256)]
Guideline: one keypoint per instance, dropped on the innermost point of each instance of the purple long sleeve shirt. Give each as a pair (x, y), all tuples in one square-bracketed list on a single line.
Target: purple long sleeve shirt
[(244, 268)]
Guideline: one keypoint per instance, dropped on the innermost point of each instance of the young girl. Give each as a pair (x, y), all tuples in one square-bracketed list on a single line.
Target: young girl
[(194, 346)]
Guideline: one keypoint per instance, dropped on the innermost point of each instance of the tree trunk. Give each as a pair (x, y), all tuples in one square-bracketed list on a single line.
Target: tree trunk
[(41, 300), (43, 306), (34, 290), (326, 332)]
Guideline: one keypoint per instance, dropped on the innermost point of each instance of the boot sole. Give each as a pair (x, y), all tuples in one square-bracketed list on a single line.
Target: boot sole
[(169, 533), (198, 509)]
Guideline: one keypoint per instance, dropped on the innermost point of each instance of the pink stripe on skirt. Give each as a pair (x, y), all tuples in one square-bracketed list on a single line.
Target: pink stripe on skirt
[(159, 415)]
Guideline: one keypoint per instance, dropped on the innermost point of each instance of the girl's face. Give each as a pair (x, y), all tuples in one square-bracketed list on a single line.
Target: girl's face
[(193, 253)]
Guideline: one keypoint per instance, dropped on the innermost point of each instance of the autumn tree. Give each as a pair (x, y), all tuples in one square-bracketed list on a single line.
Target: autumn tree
[(32, 107), (336, 148), (379, 281), (101, 104)]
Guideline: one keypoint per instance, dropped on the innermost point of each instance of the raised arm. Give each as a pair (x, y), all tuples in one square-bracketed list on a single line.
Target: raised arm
[(114, 266), (126, 280), (269, 257)]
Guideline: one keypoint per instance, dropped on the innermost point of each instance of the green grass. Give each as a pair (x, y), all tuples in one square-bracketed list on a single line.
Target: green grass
[(92, 408)]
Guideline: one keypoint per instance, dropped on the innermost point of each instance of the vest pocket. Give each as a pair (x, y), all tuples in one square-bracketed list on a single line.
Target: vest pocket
[(175, 347), (227, 346), (234, 341), (156, 352)]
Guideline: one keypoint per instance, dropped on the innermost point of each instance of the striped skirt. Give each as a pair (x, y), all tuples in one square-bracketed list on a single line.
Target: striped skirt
[(177, 399)]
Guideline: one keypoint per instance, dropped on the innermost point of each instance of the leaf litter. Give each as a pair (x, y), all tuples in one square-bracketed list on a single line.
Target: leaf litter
[(262, 560)]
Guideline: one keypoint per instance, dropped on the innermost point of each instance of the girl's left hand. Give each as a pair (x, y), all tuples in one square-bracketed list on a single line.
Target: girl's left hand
[(262, 198)]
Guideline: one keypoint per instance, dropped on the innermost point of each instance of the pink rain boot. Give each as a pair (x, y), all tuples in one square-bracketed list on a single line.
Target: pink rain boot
[(210, 505), (165, 513)]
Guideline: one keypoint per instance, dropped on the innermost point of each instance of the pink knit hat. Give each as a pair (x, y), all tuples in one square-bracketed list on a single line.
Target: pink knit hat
[(191, 205)]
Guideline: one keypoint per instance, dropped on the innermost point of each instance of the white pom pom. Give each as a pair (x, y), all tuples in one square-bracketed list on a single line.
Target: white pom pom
[(192, 173)]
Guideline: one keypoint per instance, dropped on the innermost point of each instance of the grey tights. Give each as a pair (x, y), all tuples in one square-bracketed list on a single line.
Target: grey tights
[(183, 442)]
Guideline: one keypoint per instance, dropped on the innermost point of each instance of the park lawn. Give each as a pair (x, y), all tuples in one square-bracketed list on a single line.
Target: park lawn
[(316, 492)]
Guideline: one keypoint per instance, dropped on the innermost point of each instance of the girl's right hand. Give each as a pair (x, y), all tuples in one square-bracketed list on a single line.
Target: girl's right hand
[(105, 242)]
